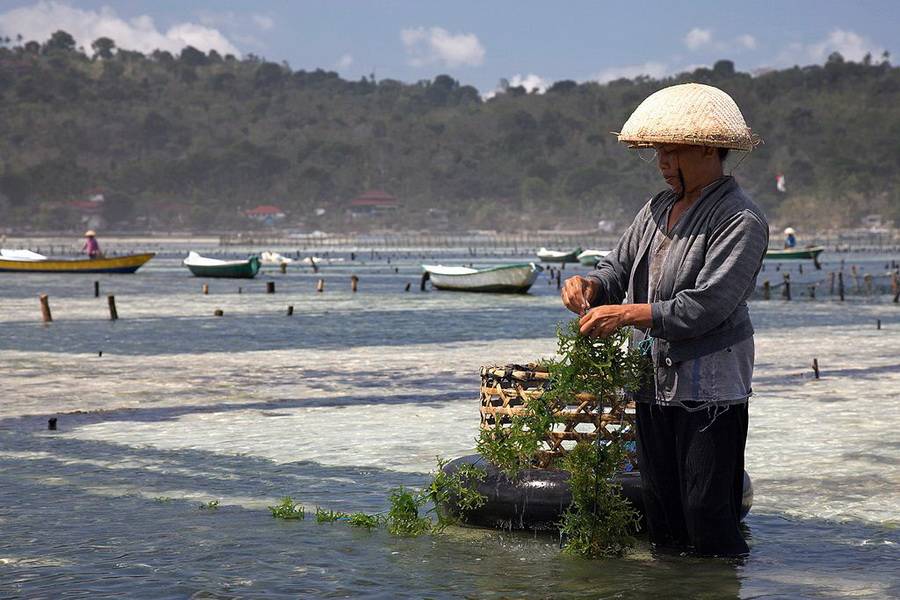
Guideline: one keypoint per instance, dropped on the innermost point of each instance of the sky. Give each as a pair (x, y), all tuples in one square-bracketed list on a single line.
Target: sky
[(481, 42)]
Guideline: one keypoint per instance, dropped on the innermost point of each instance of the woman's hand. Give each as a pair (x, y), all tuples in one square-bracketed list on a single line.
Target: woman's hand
[(604, 320), (577, 294)]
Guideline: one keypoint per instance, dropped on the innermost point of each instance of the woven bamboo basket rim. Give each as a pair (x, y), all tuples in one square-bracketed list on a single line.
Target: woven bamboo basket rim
[(529, 372)]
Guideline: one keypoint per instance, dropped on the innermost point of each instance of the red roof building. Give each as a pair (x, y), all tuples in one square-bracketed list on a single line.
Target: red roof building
[(375, 199), (265, 210)]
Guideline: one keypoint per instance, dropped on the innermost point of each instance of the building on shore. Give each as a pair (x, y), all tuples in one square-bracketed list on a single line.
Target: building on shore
[(375, 204)]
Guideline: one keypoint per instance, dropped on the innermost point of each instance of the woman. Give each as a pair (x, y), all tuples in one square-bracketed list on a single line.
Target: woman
[(685, 269)]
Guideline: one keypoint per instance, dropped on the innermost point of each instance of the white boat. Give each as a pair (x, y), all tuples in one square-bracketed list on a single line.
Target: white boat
[(21, 255), (274, 258), (514, 278), (590, 258), (560, 256)]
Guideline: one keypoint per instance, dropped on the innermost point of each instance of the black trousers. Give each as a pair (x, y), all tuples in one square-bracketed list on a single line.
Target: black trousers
[(692, 475)]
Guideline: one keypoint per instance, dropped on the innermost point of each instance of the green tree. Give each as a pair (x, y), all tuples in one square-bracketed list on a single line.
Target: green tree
[(60, 40), (103, 47)]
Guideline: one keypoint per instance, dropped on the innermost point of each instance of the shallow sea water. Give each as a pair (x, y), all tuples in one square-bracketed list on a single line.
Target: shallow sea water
[(358, 393)]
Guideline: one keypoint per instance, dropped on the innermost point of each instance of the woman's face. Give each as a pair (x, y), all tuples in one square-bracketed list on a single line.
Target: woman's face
[(680, 164)]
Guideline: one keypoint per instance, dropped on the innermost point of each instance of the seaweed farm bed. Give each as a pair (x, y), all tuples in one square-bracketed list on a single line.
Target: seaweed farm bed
[(357, 393)]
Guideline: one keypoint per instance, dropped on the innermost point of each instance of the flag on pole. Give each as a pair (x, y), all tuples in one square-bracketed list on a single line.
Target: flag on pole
[(779, 183)]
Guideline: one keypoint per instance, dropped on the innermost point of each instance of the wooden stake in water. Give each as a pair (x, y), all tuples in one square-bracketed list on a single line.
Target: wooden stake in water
[(205, 289), (283, 267), (786, 292), (218, 312), (96, 289), (320, 285), (51, 424), (354, 283), (45, 308), (113, 313), (841, 285), (270, 287), (290, 311), (815, 367), (767, 290), (812, 292)]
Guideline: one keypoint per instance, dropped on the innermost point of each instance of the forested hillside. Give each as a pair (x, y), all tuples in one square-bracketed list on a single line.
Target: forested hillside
[(191, 140)]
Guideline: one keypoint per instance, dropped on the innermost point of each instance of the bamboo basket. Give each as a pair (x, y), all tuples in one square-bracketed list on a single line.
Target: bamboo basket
[(506, 390)]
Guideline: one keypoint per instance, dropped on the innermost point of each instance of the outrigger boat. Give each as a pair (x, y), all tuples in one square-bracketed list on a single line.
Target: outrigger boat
[(560, 256), (590, 258), (808, 253), (202, 266), (26, 261), (515, 278)]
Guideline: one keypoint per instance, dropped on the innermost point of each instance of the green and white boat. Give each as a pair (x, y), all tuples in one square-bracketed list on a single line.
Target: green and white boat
[(590, 258), (514, 278), (560, 256), (202, 266), (808, 253)]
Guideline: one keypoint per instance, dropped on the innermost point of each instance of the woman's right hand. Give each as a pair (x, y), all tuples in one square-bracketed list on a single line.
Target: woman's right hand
[(577, 294)]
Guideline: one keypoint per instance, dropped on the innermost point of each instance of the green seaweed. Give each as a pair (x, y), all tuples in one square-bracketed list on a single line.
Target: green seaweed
[(211, 505), (403, 516), (286, 509), (600, 520), (364, 520), (329, 516)]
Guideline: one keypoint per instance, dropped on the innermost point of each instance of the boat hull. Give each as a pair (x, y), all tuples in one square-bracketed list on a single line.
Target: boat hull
[(571, 257), (118, 264), (795, 254), (501, 280), (244, 270)]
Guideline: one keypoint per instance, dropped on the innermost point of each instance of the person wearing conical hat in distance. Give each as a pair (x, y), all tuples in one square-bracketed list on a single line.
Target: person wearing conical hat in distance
[(790, 238), (681, 276), (91, 246)]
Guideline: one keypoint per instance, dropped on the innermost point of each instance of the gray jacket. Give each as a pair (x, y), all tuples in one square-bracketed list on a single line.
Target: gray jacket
[(717, 250)]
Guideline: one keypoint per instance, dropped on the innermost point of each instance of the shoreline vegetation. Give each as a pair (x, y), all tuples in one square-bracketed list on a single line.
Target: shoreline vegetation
[(197, 139)]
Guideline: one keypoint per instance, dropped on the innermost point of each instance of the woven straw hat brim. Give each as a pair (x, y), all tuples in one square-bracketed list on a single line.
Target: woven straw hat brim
[(690, 113)]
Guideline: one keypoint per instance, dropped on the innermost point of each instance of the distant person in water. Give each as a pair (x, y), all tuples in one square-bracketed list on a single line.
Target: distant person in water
[(91, 247), (790, 238)]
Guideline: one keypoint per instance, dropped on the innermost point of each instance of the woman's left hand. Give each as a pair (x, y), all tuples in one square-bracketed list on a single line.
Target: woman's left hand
[(602, 321)]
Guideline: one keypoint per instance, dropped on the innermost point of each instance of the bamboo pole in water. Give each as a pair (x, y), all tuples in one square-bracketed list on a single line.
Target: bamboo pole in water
[(45, 308), (113, 313)]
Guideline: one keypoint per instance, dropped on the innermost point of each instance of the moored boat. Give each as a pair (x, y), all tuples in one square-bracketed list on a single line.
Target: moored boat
[(590, 258), (514, 278), (808, 253), (25, 261), (560, 256), (274, 258), (202, 266)]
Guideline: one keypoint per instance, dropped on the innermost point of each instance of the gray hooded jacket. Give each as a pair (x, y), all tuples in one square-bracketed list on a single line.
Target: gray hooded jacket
[(715, 256)]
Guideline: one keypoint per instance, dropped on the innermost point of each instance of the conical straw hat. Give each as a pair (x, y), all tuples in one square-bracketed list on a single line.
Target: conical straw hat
[(690, 113)]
